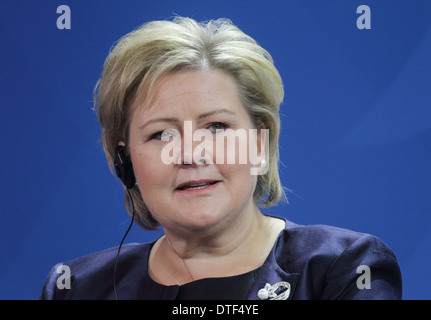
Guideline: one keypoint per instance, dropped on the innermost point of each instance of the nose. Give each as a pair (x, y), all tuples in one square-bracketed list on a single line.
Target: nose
[(196, 146)]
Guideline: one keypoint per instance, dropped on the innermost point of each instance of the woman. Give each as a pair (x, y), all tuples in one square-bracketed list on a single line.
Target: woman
[(162, 84)]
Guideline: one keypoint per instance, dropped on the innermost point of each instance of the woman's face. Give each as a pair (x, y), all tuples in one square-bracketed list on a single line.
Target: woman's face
[(195, 196)]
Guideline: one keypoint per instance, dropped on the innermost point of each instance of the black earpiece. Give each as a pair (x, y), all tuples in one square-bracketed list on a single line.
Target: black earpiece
[(124, 167)]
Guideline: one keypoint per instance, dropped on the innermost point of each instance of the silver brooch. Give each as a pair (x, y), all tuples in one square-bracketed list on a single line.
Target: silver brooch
[(278, 291)]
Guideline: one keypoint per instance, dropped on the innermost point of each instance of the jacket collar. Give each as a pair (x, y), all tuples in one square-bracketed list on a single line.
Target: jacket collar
[(271, 272)]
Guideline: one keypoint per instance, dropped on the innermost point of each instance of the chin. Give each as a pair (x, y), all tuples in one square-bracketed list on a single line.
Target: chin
[(200, 221)]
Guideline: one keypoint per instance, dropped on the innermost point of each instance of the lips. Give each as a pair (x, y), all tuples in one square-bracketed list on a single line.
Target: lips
[(196, 185)]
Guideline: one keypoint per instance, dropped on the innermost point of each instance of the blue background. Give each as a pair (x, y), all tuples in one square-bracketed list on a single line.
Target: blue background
[(355, 141)]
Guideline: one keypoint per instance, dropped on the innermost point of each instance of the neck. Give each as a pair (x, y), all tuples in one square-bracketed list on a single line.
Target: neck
[(227, 238), (235, 247)]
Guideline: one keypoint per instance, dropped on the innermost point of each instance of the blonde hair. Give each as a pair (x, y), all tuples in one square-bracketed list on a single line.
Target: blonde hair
[(157, 48)]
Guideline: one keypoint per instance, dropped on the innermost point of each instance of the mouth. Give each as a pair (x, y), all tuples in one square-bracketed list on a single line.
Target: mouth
[(197, 185)]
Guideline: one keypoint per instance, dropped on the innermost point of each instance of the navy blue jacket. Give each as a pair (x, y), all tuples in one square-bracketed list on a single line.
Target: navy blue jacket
[(319, 262)]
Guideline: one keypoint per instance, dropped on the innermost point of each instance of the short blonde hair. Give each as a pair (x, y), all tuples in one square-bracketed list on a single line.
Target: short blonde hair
[(157, 48)]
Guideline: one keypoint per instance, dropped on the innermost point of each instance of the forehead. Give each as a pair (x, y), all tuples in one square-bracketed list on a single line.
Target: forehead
[(182, 91)]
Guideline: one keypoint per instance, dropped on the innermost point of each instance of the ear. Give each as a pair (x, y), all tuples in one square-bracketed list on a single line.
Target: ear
[(116, 149), (261, 158), (263, 142), (123, 166), (120, 143)]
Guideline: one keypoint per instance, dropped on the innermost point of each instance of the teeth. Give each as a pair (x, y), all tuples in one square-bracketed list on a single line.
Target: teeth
[(197, 185)]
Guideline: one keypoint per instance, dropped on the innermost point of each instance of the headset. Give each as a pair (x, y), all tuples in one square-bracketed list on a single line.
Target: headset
[(124, 167), (124, 170)]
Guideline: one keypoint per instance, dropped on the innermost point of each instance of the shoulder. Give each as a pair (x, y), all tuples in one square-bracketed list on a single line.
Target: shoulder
[(73, 279), (99, 260), (330, 259), (330, 240)]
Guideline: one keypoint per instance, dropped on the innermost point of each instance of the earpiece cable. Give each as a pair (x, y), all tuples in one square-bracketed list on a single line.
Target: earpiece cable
[(121, 243)]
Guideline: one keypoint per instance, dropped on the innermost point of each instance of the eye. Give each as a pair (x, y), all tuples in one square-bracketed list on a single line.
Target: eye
[(163, 135), (217, 126)]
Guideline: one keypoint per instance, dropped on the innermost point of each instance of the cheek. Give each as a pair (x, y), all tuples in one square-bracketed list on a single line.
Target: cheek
[(152, 177), (232, 159), (240, 186), (232, 149), (238, 177), (149, 170)]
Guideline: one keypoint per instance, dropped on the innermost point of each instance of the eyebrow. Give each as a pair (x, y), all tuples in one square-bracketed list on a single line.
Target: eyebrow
[(210, 113), (167, 120), (175, 120)]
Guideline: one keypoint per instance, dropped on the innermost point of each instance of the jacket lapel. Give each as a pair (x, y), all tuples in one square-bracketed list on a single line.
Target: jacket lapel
[(272, 273)]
